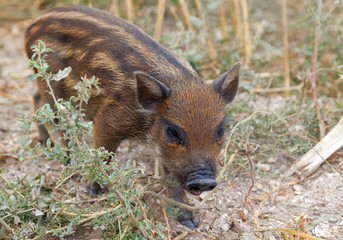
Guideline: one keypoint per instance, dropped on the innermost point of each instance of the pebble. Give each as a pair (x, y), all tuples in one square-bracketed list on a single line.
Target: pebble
[(283, 167), (208, 216), (225, 227), (203, 195), (264, 167), (297, 188), (259, 185)]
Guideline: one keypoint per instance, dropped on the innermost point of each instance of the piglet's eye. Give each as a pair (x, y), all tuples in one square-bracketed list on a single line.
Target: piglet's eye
[(173, 134), (220, 133)]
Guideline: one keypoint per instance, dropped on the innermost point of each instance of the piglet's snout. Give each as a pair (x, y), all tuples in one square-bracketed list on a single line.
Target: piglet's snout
[(201, 185)]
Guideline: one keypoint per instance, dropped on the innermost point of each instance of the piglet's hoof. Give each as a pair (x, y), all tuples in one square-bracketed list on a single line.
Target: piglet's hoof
[(95, 189), (190, 223)]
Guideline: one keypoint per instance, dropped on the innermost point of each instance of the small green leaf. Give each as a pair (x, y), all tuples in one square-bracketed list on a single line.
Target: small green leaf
[(31, 77), (16, 220), (62, 74), (38, 213)]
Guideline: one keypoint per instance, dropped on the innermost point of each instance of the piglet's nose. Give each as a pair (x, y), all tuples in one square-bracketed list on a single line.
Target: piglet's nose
[(201, 185)]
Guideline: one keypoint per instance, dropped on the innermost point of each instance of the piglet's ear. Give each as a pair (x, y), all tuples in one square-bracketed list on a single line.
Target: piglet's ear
[(227, 83), (150, 91)]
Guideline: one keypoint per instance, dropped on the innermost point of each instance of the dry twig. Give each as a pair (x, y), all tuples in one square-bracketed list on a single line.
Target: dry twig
[(185, 13), (165, 219), (159, 19), (285, 48), (273, 90), (235, 14), (181, 236), (247, 42), (222, 19), (129, 10), (314, 67)]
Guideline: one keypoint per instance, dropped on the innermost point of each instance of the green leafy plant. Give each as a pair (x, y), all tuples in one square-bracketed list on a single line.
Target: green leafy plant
[(37, 206)]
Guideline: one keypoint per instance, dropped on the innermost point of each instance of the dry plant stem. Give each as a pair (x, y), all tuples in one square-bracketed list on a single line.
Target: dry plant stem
[(268, 74), (131, 216), (165, 219), (133, 219), (211, 46), (95, 215), (8, 228), (222, 19), (65, 179), (7, 155), (247, 42), (252, 179), (16, 99), (224, 168), (237, 20), (314, 67), (129, 10), (172, 10), (185, 13), (172, 201), (159, 19), (142, 207), (181, 236), (114, 8), (197, 4), (273, 90), (236, 126), (285, 48), (299, 234), (65, 213), (4, 180), (300, 136)]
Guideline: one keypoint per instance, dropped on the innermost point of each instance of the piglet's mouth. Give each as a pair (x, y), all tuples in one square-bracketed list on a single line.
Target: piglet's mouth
[(196, 193), (197, 186)]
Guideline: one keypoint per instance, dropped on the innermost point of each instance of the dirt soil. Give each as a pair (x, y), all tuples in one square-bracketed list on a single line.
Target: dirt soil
[(316, 202)]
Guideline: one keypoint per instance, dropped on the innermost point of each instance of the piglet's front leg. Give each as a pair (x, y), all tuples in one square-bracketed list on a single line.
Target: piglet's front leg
[(177, 193)]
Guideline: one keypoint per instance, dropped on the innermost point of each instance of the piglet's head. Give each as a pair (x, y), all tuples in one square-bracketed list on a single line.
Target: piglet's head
[(188, 125)]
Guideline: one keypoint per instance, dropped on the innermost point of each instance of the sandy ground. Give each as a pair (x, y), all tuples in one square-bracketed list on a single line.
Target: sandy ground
[(316, 202)]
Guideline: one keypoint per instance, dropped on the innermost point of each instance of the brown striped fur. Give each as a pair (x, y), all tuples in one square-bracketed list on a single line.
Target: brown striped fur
[(147, 92)]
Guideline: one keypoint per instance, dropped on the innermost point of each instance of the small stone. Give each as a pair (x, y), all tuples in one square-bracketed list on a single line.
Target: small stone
[(333, 219), (203, 195), (208, 216), (264, 167), (259, 185), (297, 188), (225, 227), (271, 160)]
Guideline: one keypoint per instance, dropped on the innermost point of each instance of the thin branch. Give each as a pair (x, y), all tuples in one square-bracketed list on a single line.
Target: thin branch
[(247, 42), (159, 19), (252, 179), (4, 180), (321, 123), (129, 10), (185, 12), (65, 179), (165, 219), (8, 228), (285, 48), (132, 217), (222, 19), (172, 201)]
